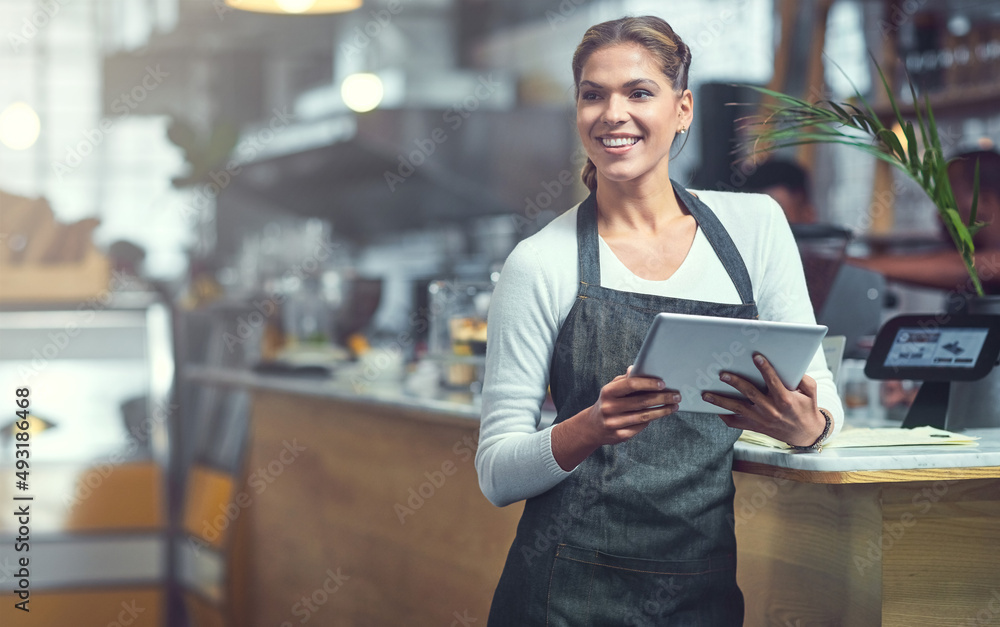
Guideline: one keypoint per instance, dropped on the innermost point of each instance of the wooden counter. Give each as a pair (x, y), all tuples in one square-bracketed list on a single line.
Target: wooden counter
[(894, 546)]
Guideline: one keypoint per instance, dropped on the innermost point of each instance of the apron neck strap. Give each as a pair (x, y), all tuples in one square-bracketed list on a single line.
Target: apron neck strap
[(588, 251), (718, 237)]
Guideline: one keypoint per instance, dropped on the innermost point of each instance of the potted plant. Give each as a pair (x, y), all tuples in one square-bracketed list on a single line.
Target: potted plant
[(791, 121)]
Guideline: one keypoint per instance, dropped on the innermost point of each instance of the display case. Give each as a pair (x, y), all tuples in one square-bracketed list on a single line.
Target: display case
[(97, 376)]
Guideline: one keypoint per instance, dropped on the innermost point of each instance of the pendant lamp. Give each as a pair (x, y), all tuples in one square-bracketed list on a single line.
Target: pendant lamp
[(295, 7)]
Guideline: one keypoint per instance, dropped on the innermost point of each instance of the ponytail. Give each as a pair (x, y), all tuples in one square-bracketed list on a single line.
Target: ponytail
[(589, 175)]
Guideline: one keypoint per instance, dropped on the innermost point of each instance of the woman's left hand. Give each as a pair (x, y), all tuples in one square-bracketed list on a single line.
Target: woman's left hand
[(791, 416)]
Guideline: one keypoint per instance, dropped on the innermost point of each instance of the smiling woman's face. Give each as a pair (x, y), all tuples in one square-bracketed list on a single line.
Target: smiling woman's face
[(627, 113)]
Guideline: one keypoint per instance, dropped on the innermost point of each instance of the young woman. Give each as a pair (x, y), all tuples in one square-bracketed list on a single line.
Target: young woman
[(629, 512)]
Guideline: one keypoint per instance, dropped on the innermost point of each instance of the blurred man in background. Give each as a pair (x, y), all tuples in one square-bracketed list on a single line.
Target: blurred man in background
[(945, 269), (788, 183)]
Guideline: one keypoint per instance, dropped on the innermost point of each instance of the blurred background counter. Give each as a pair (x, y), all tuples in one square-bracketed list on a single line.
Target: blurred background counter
[(375, 490)]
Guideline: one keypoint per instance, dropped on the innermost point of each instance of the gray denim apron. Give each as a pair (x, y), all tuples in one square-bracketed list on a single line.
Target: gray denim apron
[(640, 533)]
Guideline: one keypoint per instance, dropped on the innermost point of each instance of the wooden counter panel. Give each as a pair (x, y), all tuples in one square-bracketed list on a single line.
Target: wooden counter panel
[(796, 543), (924, 521), (906, 554), (342, 512)]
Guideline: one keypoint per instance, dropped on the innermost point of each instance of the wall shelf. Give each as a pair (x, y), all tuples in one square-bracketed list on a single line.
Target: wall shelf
[(977, 100)]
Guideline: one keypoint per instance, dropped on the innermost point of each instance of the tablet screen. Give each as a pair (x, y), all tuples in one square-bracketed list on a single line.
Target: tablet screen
[(688, 352), (936, 348)]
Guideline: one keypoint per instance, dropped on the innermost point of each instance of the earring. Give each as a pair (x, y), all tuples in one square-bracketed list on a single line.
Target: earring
[(681, 130)]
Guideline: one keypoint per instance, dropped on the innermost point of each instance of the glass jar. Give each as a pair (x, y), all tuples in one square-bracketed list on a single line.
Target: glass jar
[(457, 334), (307, 316)]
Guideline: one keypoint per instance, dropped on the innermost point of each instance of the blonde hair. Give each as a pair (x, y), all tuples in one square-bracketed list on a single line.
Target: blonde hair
[(653, 34)]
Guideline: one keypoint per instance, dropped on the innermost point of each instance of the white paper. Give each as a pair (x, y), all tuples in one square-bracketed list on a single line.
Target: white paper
[(850, 437)]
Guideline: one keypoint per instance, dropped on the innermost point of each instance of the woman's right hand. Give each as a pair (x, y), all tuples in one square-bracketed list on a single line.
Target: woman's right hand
[(625, 406)]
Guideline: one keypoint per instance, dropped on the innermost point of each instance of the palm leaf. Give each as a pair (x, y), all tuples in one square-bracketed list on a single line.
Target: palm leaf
[(926, 171), (791, 122), (888, 92), (955, 220), (889, 139), (911, 145), (975, 195), (920, 117), (931, 126)]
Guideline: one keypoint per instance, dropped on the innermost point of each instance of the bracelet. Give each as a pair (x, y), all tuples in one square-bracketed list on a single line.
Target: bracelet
[(817, 446)]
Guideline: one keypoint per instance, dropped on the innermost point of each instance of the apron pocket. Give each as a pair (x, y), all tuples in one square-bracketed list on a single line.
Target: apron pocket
[(587, 587)]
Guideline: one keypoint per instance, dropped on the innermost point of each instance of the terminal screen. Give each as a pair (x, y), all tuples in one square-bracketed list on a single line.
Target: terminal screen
[(917, 347)]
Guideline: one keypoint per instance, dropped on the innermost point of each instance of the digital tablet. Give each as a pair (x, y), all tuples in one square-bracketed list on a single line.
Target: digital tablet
[(688, 353)]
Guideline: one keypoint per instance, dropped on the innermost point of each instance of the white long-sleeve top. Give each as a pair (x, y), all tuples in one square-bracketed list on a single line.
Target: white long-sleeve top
[(538, 287)]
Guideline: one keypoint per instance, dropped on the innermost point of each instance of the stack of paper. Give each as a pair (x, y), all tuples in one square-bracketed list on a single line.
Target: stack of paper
[(855, 437)]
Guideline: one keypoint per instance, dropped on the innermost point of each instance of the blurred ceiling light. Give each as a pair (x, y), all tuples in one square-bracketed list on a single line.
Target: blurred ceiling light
[(19, 126), (959, 25), (362, 92), (295, 6)]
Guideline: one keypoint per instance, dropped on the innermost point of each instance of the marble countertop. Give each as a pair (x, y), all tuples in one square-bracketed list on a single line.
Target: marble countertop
[(986, 452), (464, 405)]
